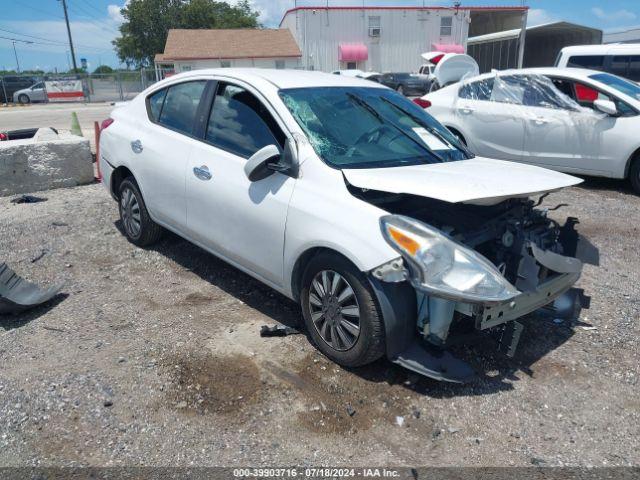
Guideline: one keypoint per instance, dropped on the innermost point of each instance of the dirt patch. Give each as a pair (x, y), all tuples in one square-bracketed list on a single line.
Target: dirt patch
[(208, 384), (334, 401)]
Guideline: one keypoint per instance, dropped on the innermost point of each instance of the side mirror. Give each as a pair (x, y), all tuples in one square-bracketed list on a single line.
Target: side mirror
[(257, 166), (606, 106)]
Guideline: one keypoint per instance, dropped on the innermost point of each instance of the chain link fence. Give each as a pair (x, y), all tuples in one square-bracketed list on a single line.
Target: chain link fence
[(105, 87)]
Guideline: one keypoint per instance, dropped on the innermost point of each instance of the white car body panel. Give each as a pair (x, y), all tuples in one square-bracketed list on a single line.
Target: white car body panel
[(268, 225), (580, 142), (479, 181), (310, 209)]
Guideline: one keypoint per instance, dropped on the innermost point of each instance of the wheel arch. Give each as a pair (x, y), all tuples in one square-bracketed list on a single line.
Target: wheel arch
[(456, 131), (634, 157), (303, 260), (117, 176)]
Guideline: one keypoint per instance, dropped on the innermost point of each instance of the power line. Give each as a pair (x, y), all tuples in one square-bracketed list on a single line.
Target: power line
[(53, 43), (39, 10), (92, 18)]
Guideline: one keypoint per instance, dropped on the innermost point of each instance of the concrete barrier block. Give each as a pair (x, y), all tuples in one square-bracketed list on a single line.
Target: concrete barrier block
[(46, 161)]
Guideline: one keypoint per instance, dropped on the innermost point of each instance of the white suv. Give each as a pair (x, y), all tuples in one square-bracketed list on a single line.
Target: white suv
[(343, 195)]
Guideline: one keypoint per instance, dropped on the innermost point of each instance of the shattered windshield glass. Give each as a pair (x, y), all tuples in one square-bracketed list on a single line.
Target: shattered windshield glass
[(360, 127)]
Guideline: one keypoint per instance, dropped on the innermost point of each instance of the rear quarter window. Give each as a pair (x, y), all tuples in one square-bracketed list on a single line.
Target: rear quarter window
[(154, 104)]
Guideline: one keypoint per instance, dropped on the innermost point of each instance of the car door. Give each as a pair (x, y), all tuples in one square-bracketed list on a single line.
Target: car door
[(552, 138), (601, 142), (37, 93), (241, 221), (160, 150), (491, 119)]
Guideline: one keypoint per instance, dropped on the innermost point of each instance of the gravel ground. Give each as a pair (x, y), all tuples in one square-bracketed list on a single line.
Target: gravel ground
[(153, 357)]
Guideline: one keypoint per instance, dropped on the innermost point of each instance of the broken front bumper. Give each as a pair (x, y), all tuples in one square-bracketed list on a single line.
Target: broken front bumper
[(492, 315)]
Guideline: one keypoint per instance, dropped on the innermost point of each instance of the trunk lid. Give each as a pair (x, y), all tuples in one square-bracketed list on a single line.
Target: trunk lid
[(478, 181)]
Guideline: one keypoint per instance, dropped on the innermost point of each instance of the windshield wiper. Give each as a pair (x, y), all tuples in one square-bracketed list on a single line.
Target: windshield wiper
[(428, 128), (386, 121)]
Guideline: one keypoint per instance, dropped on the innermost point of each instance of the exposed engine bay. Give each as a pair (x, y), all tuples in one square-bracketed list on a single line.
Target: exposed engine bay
[(532, 251)]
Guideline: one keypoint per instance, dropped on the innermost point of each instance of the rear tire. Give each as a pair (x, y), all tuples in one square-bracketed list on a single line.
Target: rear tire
[(136, 222), (340, 311), (24, 99), (634, 175)]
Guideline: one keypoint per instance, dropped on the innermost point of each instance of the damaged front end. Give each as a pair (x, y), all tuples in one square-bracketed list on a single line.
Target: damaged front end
[(474, 269)]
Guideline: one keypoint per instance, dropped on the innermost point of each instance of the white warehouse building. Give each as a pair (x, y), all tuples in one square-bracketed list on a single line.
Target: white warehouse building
[(389, 38)]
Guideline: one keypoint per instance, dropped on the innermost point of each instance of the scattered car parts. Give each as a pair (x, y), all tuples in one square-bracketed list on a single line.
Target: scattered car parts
[(18, 295)]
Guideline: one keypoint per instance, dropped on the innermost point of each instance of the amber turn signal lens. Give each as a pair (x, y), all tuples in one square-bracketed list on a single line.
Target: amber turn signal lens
[(403, 240)]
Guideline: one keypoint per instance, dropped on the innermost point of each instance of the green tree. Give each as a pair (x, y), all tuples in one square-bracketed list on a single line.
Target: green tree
[(147, 23), (103, 69)]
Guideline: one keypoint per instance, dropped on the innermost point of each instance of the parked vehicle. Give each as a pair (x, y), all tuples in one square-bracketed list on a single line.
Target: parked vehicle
[(619, 59), (567, 119), (12, 83), (448, 68), (348, 198), (35, 93), (405, 83)]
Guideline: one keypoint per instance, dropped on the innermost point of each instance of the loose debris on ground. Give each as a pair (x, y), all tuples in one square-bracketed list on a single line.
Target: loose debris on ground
[(154, 359)]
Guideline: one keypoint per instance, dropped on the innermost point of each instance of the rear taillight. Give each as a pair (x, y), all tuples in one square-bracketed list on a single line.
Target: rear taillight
[(106, 123), (421, 102), (3, 137)]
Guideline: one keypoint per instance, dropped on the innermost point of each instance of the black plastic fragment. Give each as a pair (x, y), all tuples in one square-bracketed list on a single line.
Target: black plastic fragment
[(439, 365), (28, 199), (277, 331), (17, 295)]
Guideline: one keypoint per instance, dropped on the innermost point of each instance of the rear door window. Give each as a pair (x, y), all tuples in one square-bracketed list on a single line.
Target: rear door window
[(480, 90), (180, 106), (634, 68), (593, 62), (240, 124)]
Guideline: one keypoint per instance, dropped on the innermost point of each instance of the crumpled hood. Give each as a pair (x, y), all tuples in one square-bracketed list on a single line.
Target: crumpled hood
[(478, 181)]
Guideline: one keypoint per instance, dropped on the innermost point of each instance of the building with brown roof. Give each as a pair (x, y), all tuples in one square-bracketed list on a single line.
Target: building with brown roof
[(195, 49)]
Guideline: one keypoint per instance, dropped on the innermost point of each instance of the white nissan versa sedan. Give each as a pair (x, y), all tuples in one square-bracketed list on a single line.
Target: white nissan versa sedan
[(347, 197)]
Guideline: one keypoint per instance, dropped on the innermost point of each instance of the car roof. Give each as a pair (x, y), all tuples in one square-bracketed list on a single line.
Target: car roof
[(602, 49), (283, 78), (577, 73)]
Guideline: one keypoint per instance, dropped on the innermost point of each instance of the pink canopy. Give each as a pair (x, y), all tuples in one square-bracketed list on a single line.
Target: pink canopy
[(448, 48), (352, 52)]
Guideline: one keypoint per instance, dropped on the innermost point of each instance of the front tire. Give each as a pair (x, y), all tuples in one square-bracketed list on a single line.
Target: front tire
[(340, 311), (136, 222), (24, 99), (634, 175)]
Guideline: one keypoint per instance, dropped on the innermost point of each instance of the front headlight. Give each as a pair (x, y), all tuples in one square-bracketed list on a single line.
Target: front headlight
[(443, 267)]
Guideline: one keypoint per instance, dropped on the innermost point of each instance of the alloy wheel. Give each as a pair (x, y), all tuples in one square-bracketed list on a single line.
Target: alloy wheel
[(334, 310), (130, 209)]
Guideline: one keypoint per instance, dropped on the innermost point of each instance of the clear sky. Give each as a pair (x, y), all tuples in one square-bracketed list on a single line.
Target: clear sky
[(94, 24)]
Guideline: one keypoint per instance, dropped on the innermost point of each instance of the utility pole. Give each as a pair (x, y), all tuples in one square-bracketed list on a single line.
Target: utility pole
[(66, 19), (16, 54)]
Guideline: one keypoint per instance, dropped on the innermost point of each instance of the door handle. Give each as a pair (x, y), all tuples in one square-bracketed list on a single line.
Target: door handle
[(540, 121), (136, 146), (202, 172), (466, 110)]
